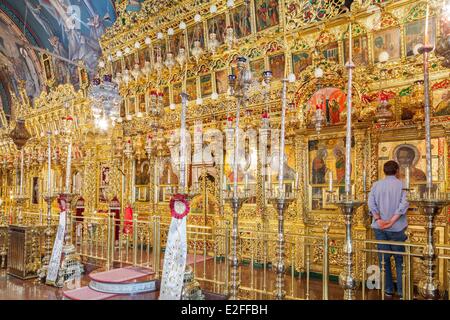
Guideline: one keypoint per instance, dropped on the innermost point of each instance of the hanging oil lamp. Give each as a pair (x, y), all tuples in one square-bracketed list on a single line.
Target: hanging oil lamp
[(197, 50), (181, 57), (230, 39)]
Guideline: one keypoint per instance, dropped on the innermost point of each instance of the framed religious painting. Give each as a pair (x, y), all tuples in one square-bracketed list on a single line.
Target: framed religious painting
[(387, 41), (206, 85), (267, 14), (191, 89), (441, 98), (300, 61), (129, 61), (35, 190), (123, 109), (166, 96), (331, 101), (131, 105), (195, 33), (217, 25), (48, 67), (142, 180), (104, 182), (414, 35), (360, 50), (326, 156), (331, 52), (221, 81), (258, 67), (83, 76), (141, 103), (142, 57), (412, 154), (117, 66), (241, 21), (276, 65), (178, 42), (176, 92)]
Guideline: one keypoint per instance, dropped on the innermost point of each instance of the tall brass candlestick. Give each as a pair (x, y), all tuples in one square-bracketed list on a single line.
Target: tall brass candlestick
[(282, 138), (184, 98), (348, 137), (68, 165)]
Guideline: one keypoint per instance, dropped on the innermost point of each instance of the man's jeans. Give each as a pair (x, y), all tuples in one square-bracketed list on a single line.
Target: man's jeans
[(391, 236)]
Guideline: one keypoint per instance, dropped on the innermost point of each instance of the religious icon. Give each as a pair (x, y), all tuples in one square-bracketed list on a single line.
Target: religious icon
[(84, 78), (276, 65), (205, 85), (131, 105), (191, 88), (117, 66), (258, 67), (218, 26), (241, 21), (166, 96), (221, 81), (142, 103), (319, 167), (339, 155), (195, 33), (178, 42), (122, 109), (360, 50), (441, 102), (129, 61), (105, 178), (331, 52), (387, 41), (176, 89), (267, 14), (414, 35), (300, 61), (407, 155), (331, 101), (47, 67), (35, 194), (142, 57)]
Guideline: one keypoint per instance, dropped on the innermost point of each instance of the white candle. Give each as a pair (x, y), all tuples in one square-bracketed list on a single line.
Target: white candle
[(49, 165), (282, 140), (407, 177), (330, 181), (21, 172), (68, 167)]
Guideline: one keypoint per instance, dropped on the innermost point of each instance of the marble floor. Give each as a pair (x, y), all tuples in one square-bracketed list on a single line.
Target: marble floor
[(12, 288)]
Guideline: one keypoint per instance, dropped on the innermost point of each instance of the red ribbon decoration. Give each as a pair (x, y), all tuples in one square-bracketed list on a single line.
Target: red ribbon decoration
[(182, 198)]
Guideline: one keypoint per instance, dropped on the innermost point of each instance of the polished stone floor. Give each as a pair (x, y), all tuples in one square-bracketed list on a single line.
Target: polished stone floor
[(12, 288)]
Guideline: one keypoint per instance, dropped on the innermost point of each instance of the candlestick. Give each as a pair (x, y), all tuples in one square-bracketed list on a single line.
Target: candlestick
[(21, 172), (184, 98), (282, 138), (348, 138), (236, 150), (49, 167)]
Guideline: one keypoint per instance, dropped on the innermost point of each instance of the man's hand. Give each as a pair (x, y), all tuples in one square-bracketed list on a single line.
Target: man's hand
[(385, 224)]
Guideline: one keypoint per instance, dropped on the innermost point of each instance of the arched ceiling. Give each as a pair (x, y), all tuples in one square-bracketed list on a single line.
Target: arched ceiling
[(69, 28)]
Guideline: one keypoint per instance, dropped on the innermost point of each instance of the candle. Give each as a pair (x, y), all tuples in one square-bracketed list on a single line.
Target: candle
[(427, 14), (330, 181), (49, 165), (184, 98), (236, 150), (282, 140), (407, 177), (68, 167), (21, 172)]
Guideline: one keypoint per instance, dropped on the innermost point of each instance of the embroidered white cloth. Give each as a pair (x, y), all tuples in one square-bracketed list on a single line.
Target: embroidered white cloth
[(53, 267), (174, 261)]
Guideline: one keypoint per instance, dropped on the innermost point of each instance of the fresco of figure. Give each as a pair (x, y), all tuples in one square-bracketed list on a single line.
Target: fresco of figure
[(319, 167)]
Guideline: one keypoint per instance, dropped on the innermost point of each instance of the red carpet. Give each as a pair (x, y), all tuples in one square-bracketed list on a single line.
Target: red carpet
[(86, 293), (121, 274)]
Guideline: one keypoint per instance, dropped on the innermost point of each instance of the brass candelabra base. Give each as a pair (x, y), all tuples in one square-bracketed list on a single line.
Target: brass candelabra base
[(430, 206), (20, 202), (236, 202), (281, 204), (347, 279)]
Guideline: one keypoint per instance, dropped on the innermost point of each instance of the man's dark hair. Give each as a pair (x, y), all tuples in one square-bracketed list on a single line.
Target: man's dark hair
[(390, 168)]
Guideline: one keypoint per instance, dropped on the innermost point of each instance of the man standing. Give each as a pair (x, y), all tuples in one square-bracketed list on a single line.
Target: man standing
[(388, 206)]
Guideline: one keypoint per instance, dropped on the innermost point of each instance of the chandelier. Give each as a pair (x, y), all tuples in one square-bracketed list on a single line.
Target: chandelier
[(106, 101)]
